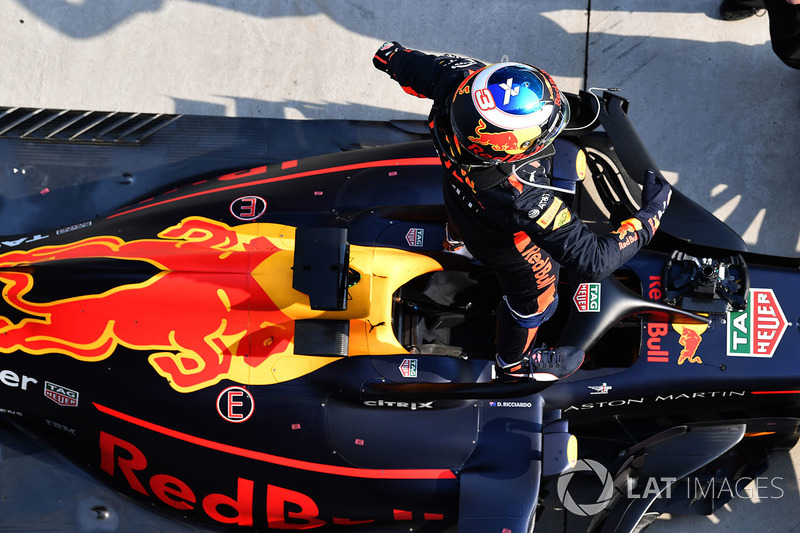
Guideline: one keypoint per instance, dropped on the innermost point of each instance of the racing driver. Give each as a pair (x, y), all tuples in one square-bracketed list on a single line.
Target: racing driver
[(493, 126)]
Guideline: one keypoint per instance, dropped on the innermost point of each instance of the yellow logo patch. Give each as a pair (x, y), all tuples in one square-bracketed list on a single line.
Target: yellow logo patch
[(550, 214), (563, 217), (580, 164)]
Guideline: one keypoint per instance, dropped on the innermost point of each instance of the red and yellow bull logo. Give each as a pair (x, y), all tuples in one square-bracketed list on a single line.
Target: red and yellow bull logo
[(690, 340), (511, 142), (219, 305), (627, 232)]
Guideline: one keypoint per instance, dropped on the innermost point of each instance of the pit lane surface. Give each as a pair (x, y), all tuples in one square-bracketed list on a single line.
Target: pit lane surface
[(715, 107)]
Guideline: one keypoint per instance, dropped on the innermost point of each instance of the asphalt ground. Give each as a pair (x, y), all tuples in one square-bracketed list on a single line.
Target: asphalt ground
[(716, 108)]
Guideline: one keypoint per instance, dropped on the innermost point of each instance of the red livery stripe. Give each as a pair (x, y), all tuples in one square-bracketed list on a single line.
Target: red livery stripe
[(414, 161), (367, 473)]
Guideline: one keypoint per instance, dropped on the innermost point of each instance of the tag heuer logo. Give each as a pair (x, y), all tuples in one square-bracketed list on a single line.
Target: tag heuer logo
[(415, 236), (408, 368), (756, 331), (61, 395), (587, 298)]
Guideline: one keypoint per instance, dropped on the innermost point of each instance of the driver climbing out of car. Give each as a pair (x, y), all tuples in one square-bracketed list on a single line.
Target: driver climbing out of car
[(493, 126)]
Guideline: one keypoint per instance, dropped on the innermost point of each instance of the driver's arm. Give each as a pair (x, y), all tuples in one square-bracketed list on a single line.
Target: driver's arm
[(569, 241), (423, 75)]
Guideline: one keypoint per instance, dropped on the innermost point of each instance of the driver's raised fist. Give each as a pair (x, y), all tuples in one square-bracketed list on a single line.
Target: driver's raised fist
[(656, 194), (384, 53)]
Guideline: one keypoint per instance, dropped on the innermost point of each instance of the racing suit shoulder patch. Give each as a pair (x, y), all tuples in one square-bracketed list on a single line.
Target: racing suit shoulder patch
[(550, 214), (562, 218), (628, 232), (457, 62)]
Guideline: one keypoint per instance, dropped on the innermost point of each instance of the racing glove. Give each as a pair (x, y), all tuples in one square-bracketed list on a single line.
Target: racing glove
[(656, 195), (384, 53)]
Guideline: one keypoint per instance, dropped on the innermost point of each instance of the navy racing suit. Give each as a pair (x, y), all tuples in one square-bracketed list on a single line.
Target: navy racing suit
[(507, 216)]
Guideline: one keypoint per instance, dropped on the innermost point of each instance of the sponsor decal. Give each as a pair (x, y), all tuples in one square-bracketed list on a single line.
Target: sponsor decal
[(415, 237), (587, 298), (550, 214), (657, 398), (23, 240), (62, 427), (74, 227), (544, 200), (609, 403), (627, 232), (509, 90), (400, 405), (563, 217), (690, 340), (60, 394), (235, 404), (9, 412), (655, 332), (690, 334), (285, 508), (511, 142), (248, 207), (654, 224), (408, 368), (240, 500), (654, 291), (756, 331), (456, 62), (539, 261), (580, 164), (9, 378), (600, 389)]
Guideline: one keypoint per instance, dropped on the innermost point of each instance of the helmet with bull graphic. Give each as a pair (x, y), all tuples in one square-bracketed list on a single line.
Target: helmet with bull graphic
[(506, 112)]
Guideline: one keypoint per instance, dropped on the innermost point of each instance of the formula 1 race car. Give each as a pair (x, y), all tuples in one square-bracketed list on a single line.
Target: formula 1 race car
[(253, 324)]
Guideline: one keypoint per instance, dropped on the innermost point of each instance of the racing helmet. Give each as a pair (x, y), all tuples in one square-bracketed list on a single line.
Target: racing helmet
[(506, 112)]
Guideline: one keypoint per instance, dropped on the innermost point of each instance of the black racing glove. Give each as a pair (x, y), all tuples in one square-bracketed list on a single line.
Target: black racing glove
[(656, 195), (384, 53)]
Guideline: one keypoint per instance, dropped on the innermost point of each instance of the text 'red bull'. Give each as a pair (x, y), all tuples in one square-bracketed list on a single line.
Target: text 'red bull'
[(539, 260), (627, 232), (118, 455), (285, 509), (199, 310)]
